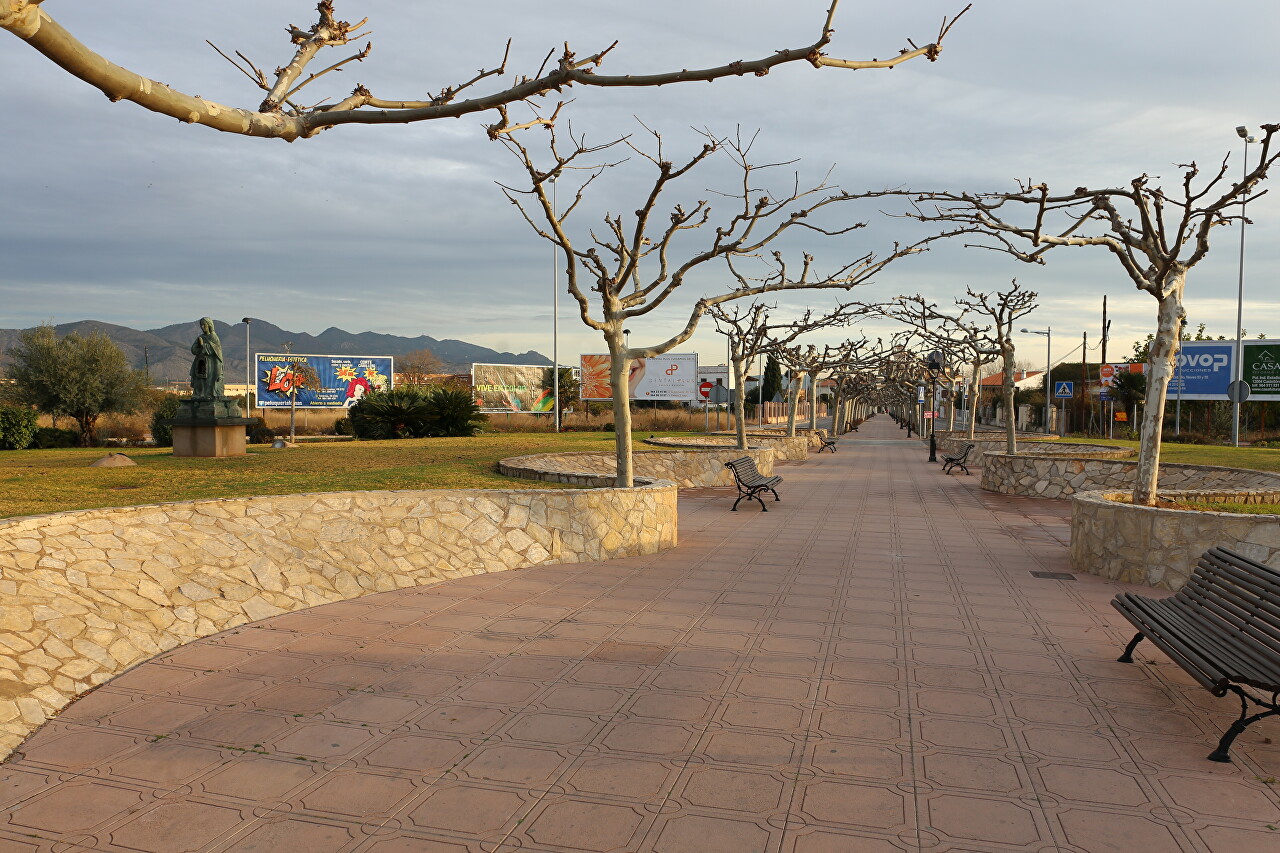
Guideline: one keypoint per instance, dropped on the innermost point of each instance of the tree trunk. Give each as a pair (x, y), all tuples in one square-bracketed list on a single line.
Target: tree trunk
[(837, 404), (740, 398), (619, 368), (974, 399), (1163, 355), (813, 400), (88, 429), (793, 401), (1010, 415)]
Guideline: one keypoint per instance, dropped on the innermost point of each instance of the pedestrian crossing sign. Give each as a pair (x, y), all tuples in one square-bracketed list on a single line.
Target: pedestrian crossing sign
[(1063, 389)]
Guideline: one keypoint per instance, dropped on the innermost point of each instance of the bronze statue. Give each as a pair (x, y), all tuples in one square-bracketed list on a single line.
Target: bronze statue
[(207, 368)]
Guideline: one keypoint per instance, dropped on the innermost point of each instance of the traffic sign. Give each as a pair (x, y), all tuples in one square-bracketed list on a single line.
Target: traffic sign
[(705, 389), (1238, 391), (919, 393), (1063, 389), (928, 415)]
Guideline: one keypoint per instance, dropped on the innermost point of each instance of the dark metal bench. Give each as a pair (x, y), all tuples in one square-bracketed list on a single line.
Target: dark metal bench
[(750, 482), (1223, 628), (957, 460), (828, 443)]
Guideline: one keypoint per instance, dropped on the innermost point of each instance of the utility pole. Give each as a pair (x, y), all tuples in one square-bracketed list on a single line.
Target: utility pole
[(1084, 382), (1104, 328)]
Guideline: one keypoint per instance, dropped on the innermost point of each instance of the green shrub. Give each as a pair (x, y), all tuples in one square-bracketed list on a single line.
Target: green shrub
[(52, 437), (342, 426), (258, 433), (162, 434), (18, 427)]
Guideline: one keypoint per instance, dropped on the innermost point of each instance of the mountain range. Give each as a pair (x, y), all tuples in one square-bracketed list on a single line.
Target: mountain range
[(166, 351)]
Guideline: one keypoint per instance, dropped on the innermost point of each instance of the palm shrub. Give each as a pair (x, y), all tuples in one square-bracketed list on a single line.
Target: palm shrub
[(453, 413), (397, 413)]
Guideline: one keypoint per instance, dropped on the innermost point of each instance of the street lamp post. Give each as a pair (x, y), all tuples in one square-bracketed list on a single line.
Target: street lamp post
[(248, 367), (935, 365), (1048, 370), (1243, 133)]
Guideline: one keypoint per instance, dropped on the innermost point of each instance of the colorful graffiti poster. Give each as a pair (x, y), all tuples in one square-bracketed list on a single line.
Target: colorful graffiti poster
[(344, 379), (509, 388), (673, 376)]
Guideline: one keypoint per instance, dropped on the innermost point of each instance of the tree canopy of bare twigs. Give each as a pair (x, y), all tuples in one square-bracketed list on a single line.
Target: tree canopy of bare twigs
[(955, 331), (1157, 236), (283, 114), (637, 261), (751, 334)]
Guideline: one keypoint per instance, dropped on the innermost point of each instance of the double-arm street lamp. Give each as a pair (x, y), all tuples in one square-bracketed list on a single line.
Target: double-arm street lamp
[(1048, 369)]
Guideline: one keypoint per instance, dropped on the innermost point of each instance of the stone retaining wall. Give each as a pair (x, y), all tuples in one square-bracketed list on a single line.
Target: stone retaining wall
[(1044, 475), (812, 437), (789, 448), (88, 594), (1159, 547), (686, 468)]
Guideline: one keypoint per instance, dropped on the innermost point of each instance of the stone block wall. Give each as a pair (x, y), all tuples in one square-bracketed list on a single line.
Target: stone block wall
[(1159, 547), (88, 594), (1044, 475), (686, 468), (949, 442)]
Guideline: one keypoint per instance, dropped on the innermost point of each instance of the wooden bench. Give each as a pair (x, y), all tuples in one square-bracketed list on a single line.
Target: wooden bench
[(1223, 628), (828, 443), (957, 460), (750, 482)]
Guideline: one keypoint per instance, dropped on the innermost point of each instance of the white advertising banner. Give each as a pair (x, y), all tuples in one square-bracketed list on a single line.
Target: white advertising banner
[(673, 376)]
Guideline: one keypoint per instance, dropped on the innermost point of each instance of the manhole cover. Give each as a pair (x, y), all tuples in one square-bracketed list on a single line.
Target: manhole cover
[(629, 652), (1054, 576)]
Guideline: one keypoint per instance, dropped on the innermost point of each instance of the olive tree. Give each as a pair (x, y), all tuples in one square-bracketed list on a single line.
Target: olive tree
[(80, 376)]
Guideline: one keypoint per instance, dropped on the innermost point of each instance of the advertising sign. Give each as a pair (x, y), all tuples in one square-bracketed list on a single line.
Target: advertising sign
[(1203, 370), (507, 388), (1262, 369), (344, 379), (673, 376), (1107, 374)]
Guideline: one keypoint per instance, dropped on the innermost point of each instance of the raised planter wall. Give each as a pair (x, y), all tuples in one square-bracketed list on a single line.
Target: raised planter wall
[(1159, 547), (1044, 475), (88, 594), (789, 448), (983, 442), (686, 468)]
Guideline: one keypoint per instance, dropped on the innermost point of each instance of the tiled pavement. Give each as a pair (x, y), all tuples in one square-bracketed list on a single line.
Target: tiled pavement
[(868, 667)]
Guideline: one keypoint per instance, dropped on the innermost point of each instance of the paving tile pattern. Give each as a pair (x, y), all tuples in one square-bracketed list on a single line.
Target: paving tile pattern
[(869, 666)]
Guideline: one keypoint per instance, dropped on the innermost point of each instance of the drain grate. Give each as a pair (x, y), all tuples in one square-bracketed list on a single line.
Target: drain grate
[(1054, 576), (629, 652)]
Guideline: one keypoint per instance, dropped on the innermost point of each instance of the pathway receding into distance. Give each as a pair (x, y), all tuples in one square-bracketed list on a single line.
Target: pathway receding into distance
[(869, 667)]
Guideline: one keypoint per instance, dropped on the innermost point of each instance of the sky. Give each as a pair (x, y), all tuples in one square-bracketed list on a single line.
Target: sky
[(113, 213)]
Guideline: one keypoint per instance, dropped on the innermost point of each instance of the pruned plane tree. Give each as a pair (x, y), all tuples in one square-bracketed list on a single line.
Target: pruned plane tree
[(287, 113)]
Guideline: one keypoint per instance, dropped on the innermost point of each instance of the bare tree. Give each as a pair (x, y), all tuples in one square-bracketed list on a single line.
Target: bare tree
[(1004, 308), (1157, 237), (954, 331), (751, 334), (417, 367), (627, 270), (282, 115), (813, 362)]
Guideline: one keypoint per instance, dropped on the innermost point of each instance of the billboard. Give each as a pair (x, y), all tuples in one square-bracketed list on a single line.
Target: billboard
[(1107, 374), (1262, 369), (344, 379), (508, 388), (1203, 371), (673, 376)]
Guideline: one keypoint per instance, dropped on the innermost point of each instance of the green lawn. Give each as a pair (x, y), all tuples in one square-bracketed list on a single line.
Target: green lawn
[(1259, 458), (34, 482)]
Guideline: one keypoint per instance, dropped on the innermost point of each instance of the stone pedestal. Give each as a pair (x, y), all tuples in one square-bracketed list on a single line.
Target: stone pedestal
[(209, 428)]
